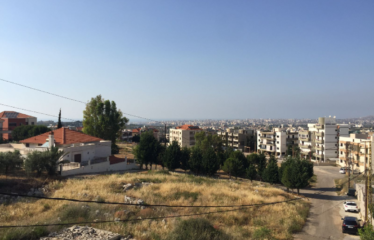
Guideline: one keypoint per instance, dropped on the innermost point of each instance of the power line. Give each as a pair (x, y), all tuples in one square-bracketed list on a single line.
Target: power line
[(127, 220), (71, 99), (147, 205), (36, 112)]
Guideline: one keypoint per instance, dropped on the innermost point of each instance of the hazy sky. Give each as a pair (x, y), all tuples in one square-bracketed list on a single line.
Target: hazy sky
[(190, 59)]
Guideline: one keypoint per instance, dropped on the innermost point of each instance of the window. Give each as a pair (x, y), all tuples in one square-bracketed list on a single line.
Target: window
[(277, 148), (277, 136), (32, 123), (278, 142), (336, 137), (27, 145)]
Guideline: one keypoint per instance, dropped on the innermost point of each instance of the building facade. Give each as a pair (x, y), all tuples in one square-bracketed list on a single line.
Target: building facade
[(356, 151), (239, 139), (139, 131), (184, 135), (322, 139), (11, 120)]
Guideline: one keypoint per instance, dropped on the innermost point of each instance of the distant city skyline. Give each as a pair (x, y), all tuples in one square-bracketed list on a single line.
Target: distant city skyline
[(190, 59)]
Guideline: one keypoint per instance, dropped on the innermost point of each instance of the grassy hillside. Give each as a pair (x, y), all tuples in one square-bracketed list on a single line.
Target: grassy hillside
[(277, 221)]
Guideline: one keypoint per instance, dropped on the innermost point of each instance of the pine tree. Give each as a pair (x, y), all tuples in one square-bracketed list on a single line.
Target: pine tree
[(233, 167), (271, 171), (210, 162), (251, 172), (195, 163), (59, 124)]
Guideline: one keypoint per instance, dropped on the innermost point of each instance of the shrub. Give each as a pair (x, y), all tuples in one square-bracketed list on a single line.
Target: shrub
[(262, 234), (26, 233), (186, 195), (197, 229)]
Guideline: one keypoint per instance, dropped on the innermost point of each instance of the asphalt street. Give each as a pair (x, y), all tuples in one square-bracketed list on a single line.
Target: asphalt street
[(324, 220)]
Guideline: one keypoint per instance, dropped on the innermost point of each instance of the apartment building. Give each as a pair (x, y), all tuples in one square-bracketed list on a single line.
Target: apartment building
[(139, 131), (184, 135), (275, 142), (239, 139), (11, 120), (322, 138), (356, 151)]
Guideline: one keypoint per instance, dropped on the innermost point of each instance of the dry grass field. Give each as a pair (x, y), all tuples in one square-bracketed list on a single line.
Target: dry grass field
[(276, 221)]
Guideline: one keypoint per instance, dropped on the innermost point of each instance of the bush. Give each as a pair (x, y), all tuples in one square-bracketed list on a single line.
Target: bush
[(25, 233), (197, 229), (43, 161), (262, 234)]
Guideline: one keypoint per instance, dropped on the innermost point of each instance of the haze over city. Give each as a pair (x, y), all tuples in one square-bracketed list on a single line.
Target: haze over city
[(190, 60)]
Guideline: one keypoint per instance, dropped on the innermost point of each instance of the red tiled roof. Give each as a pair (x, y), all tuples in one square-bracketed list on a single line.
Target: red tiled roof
[(63, 136), (188, 127), (6, 114), (136, 130), (114, 160)]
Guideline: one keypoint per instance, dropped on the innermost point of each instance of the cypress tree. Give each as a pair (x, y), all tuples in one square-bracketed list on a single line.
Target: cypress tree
[(59, 124)]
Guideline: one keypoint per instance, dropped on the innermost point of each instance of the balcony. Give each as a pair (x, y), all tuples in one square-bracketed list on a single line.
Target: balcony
[(319, 126), (269, 138), (318, 154), (320, 148), (305, 146), (305, 139), (319, 141), (319, 134), (236, 139), (236, 134)]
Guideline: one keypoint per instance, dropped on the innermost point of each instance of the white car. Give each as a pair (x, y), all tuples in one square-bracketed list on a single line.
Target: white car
[(350, 206)]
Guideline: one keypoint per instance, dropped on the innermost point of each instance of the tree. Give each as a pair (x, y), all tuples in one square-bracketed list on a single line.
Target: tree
[(59, 124), (172, 156), (210, 163), (136, 138), (102, 119), (196, 160), (146, 152), (26, 131), (366, 233), (261, 164), (295, 174), (10, 161), (271, 171), (242, 159), (43, 161), (251, 172), (233, 167), (185, 157)]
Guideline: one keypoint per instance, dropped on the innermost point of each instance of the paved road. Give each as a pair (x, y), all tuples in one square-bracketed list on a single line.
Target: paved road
[(324, 220)]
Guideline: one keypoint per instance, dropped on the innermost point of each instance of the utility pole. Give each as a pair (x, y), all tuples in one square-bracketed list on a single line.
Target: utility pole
[(368, 200)]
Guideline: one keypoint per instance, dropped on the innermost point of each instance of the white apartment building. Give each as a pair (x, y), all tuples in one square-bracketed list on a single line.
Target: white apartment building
[(275, 142), (356, 151), (322, 138), (184, 135), (239, 139)]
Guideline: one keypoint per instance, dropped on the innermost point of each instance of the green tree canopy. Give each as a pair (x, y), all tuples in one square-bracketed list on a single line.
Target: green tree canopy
[(251, 172), (185, 157), (172, 156), (43, 161), (27, 131), (196, 160), (233, 166), (210, 162), (59, 124), (242, 159), (102, 119), (147, 151), (295, 173), (271, 171), (10, 161)]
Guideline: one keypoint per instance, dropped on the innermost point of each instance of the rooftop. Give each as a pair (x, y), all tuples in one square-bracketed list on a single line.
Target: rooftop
[(12, 114), (188, 127), (63, 136)]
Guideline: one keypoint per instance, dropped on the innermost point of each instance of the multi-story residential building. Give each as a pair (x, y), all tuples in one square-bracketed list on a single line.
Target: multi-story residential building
[(139, 131), (239, 139), (11, 120), (322, 138), (184, 135), (356, 151), (274, 142)]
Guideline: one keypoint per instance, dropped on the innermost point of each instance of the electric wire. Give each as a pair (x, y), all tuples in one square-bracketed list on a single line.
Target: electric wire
[(147, 205)]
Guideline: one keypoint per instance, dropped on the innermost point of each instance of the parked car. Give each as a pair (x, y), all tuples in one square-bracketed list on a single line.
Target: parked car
[(343, 170), (350, 206), (350, 225)]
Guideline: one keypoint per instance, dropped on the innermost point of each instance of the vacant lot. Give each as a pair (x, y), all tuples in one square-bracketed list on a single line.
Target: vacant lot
[(273, 221)]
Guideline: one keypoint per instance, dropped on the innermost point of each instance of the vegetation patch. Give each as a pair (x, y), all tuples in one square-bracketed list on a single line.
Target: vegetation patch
[(186, 195)]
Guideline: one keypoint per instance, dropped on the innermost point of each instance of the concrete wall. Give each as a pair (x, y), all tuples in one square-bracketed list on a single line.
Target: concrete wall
[(88, 151), (99, 168)]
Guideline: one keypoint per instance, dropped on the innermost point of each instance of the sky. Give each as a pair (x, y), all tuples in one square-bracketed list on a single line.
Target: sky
[(190, 59)]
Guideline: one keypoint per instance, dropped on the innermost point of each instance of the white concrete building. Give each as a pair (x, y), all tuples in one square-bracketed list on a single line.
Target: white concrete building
[(275, 142), (184, 135), (355, 151), (322, 138)]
